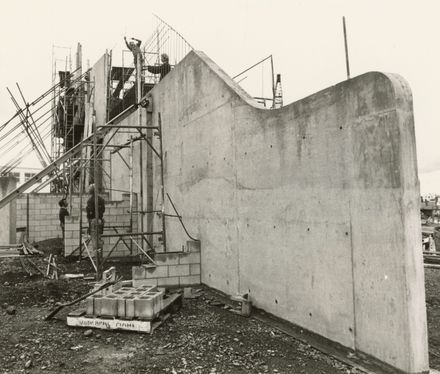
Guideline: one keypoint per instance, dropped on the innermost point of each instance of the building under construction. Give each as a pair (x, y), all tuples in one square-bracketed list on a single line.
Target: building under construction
[(243, 194)]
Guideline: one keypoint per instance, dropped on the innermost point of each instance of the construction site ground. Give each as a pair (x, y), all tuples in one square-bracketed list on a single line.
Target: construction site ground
[(202, 337)]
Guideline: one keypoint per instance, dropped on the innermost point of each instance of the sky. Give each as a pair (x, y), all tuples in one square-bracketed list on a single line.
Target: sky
[(305, 39)]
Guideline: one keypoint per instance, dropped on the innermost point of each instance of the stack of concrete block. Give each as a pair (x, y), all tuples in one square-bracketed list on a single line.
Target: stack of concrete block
[(170, 269), (143, 303)]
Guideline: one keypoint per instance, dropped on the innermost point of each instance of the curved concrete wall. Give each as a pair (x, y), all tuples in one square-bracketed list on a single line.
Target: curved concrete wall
[(312, 209)]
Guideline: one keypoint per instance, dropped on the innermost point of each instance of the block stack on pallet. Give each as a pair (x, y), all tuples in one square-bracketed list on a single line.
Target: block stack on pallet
[(143, 303)]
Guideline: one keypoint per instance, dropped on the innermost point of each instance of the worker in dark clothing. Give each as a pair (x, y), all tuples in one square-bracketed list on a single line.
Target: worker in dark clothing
[(90, 209), (162, 69), (135, 47), (63, 213)]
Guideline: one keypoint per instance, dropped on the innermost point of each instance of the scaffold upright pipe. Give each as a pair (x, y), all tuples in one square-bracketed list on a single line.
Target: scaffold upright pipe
[(139, 82)]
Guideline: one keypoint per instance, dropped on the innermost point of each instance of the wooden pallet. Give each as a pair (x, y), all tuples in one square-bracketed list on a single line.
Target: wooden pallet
[(79, 319)]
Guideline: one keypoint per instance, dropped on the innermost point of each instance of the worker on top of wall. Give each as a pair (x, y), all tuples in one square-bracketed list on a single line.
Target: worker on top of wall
[(135, 47), (63, 213), (90, 209), (162, 69)]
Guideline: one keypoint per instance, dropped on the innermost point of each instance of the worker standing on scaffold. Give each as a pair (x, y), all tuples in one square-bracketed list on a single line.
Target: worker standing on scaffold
[(135, 47)]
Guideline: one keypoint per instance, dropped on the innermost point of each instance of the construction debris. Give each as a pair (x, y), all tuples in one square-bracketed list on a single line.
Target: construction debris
[(245, 305), (191, 293)]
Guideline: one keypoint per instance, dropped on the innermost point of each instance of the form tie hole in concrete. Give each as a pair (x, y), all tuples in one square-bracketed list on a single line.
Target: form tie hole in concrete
[(227, 282), (274, 227), (310, 314), (308, 228), (245, 153), (346, 233), (304, 137), (350, 329), (340, 127), (276, 301), (271, 146)]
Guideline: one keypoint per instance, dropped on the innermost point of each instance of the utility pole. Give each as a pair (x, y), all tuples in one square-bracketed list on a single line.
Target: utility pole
[(347, 63)]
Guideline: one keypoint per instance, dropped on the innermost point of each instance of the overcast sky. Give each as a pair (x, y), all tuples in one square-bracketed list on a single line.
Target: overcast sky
[(304, 37)]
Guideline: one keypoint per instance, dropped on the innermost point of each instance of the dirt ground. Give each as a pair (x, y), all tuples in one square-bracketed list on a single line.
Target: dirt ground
[(203, 337), (432, 286)]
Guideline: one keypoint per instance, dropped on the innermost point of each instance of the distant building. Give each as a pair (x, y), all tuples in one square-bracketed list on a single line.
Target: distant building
[(23, 174)]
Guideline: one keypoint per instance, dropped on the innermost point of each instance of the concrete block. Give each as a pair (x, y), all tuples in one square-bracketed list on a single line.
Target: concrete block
[(141, 282), (167, 258), (109, 306), (120, 301), (189, 280), (144, 307), (97, 305), (146, 288), (90, 305), (170, 281), (190, 258), (194, 269), (129, 306), (157, 272), (138, 272), (193, 246), (178, 270)]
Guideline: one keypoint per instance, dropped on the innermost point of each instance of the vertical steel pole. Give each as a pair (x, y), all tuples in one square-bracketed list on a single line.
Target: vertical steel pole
[(164, 233), (81, 186), (131, 192), (139, 123), (95, 224), (347, 63), (27, 217)]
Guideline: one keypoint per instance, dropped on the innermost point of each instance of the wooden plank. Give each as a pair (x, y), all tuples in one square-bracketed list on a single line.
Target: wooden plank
[(110, 324)]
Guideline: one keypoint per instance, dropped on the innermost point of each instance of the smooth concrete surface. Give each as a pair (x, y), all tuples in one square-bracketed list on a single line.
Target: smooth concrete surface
[(8, 214), (312, 209)]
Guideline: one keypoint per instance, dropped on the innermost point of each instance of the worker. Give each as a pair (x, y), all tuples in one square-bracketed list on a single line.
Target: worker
[(162, 69), (63, 213), (90, 209), (135, 47)]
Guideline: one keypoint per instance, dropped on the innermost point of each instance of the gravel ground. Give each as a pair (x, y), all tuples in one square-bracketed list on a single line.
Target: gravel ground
[(203, 337)]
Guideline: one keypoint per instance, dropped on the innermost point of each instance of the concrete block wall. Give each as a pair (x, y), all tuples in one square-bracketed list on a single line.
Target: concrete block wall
[(116, 215), (44, 222), (172, 269)]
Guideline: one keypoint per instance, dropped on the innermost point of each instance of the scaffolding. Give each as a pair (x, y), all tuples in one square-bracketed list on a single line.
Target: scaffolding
[(74, 158), (77, 159)]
